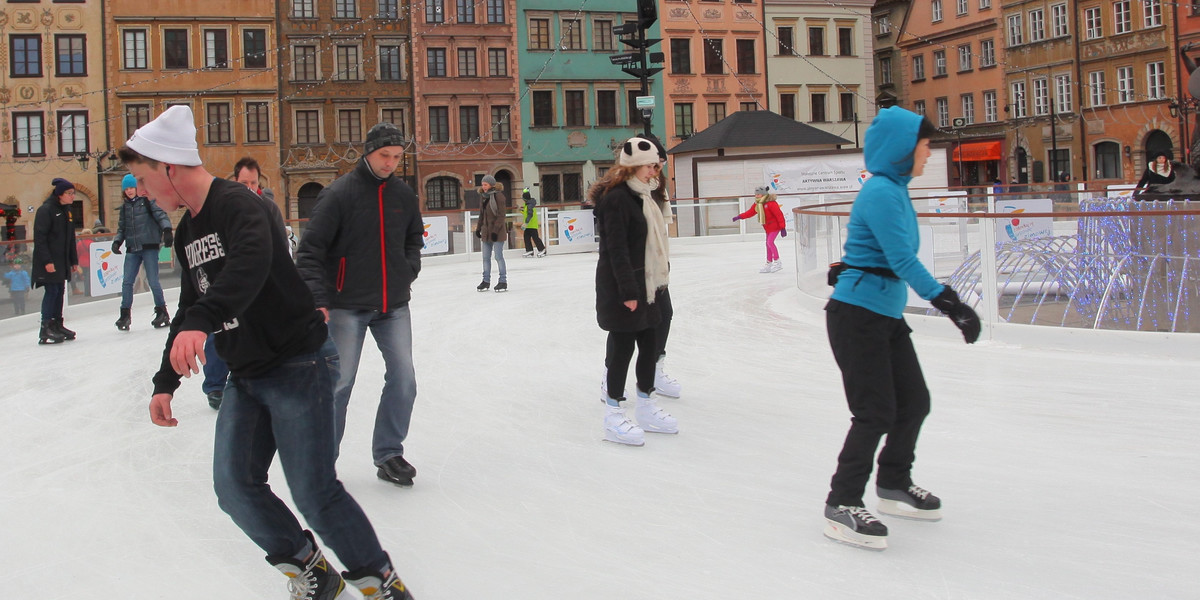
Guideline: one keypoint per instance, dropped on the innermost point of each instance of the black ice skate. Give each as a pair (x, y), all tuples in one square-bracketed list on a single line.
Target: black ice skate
[(856, 526), (378, 586), (161, 317), (124, 320), (502, 287), (913, 503), (66, 333), (483, 286), (397, 470), (50, 335), (315, 579)]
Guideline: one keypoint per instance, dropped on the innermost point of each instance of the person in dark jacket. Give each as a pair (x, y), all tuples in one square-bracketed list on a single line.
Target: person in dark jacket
[(239, 282), (141, 227), (1158, 172), (55, 258), (359, 256), (630, 274), (870, 340), (492, 231)]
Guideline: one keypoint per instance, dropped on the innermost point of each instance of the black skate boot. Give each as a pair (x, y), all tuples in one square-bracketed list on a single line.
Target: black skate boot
[(50, 335), (856, 526), (397, 470), (124, 321), (378, 586), (313, 580), (502, 286), (483, 286), (913, 503), (161, 318), (66, 333), (215, 397)]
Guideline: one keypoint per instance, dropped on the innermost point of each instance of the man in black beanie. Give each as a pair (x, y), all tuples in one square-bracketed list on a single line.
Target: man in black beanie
[(360, 254)]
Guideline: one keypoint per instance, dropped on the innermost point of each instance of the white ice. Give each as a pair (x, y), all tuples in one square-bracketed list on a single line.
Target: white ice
[(1064, 475)]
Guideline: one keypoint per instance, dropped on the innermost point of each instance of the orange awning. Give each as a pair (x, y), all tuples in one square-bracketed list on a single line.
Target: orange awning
[(971, 151)]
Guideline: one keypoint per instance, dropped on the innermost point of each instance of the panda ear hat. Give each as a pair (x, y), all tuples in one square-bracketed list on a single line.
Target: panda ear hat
[(636, 152)]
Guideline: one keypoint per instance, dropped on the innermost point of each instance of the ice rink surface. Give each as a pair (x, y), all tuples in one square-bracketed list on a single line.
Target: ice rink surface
[(1064, 475)]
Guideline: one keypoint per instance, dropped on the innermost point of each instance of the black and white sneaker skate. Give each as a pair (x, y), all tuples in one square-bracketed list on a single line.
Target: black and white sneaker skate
[(397, 470), (913, 503), (378, 586), (483, 286), (313, 580), (856, 526), (502, 286)]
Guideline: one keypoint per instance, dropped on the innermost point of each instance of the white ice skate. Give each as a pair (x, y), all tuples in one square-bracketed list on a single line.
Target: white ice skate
[(776, 266), (766, 268), (914, 503), (664, 384), (652, 418), (619, 429), (856, 526), (527, 254), (541, 253)]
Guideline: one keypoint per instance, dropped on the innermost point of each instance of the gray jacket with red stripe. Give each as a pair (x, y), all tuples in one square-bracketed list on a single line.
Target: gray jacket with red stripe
[(361, 248)]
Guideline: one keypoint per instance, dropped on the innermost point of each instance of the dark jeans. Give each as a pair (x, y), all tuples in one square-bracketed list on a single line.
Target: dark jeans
[(531, 237), (133, 262), (215, 369), (289, 410), (52, 300), (619, 350), (887, 396)]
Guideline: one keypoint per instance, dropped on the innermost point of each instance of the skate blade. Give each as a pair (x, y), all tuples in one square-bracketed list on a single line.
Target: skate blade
[(624, 442), (904, 511), (657, 430), (839, 533), (668, 393)]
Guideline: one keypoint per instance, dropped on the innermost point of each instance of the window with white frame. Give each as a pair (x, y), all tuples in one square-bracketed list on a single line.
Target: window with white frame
[(602, 34), (987, 53), (258, 122), (345, 9), (1122, 22), (501, 129), (1125, 91), (304, 9), (72, 132), (134, 49), (572, 34), (935, 8), (943, 112), (939, 63), (1059, 25), (1093, 23), (968, 108), (962, 7), (388, 9), (1062, 93), (918, 63), (990, 110), (29, 129), (885, 25), (391, 62), (1017, 96), (1156, 81), (349, 63), (396, 117), (304, 63), (984, 4), (1098, 94), (964, 58), (216, 49), (468, 62), (219, 123), (308, 127), (919, 107), (1037, 25), (1016, 32), (1152, 13), (495, 11), (1041, 97), (885, 70), (468, 124)]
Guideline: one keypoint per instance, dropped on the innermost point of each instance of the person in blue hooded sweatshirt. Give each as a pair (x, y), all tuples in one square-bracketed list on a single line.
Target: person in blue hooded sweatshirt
[(870, 339)]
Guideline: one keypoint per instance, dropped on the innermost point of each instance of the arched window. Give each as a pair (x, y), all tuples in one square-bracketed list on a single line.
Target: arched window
[(307, 198), (442, 193), (1107, 160), (1159, 142)]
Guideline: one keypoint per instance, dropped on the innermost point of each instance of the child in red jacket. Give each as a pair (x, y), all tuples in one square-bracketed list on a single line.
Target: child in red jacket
[(771, 218)]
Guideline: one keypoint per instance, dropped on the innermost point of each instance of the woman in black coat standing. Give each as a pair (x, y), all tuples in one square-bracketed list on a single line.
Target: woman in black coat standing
[(631, 272), (54, 259)]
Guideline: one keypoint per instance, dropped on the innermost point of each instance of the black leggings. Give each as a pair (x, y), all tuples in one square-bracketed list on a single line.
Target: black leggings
[(666, 311), (531, 236), (619, 350)]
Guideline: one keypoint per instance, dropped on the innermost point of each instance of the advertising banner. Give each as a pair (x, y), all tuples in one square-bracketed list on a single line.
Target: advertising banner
[(436, 235), (1019, 228), (106, 271), (577, 230), (832, 174)]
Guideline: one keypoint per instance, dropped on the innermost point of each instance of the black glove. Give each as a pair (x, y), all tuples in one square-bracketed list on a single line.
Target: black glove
[(494, 236), (963, 317), (783, 232), (477, 234), (168, 237), (116, 247)]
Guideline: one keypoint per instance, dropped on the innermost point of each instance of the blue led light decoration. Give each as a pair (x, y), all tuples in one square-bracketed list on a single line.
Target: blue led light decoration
[(1117, 272)]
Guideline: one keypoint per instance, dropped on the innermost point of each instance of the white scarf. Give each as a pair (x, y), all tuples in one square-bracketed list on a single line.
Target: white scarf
[(1166, 168), (657, 248)]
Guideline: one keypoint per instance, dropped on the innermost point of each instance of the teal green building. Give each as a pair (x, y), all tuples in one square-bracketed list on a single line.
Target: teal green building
[(577, 107)]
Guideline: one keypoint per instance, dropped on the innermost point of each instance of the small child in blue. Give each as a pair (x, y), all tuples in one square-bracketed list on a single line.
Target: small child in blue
[(18, 285)]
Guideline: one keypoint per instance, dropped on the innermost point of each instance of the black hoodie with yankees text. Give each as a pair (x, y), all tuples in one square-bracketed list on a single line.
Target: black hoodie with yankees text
[(241, 284)]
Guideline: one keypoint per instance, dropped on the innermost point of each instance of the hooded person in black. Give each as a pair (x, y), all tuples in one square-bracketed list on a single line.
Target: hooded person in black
[(55, 258)]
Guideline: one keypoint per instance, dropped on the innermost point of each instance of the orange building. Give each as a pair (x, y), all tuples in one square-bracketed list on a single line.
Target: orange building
[(216, 57)]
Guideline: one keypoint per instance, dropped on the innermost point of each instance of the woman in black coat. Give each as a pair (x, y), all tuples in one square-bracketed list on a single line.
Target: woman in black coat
[(631, 272), (54, 259), (1158, 172)]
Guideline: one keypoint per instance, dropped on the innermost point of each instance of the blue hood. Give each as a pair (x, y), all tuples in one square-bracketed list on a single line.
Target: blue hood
[(889, 143)]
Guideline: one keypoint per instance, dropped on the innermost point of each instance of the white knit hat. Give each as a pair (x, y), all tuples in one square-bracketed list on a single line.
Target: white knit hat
[(638, 151), (170, 138)]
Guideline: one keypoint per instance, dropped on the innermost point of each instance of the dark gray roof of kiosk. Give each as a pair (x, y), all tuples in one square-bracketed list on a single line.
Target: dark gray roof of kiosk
[(750, 128)]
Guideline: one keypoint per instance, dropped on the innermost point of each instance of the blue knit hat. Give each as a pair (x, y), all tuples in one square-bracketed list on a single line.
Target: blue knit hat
[(128, 181), (61, 186)]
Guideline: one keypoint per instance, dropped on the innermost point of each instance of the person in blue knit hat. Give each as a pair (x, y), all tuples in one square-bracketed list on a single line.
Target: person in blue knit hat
[(141, 227)]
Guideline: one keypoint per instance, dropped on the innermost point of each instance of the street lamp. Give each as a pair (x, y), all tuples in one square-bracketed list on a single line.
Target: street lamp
[(959, 123)]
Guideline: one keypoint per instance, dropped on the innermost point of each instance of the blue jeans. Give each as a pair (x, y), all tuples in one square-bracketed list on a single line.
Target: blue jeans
[(215, 369), (134, 260), (488, 249), (289, 410), (52, 300), (392, 331)]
